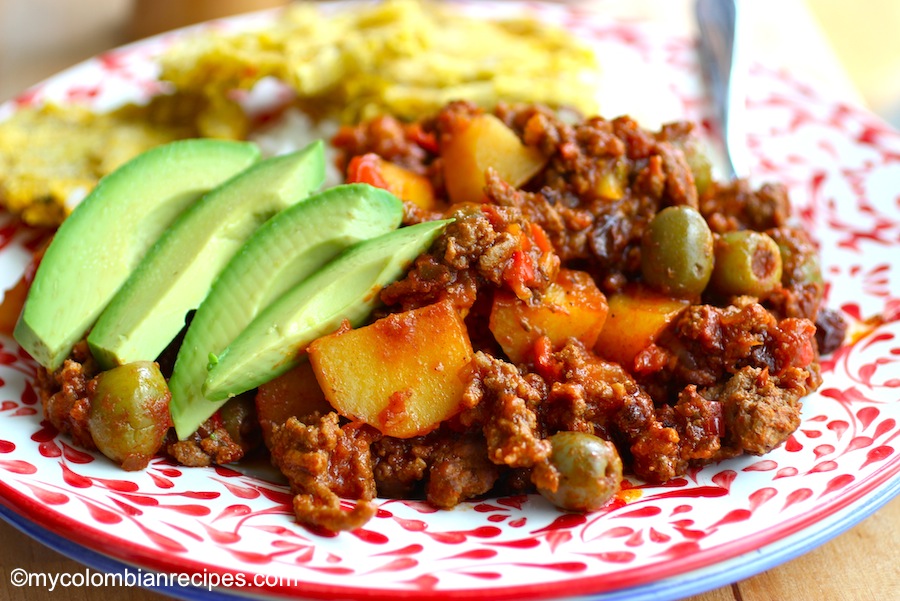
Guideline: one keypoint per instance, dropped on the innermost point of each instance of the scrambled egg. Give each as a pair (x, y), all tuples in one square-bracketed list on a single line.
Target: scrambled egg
[(401, 57)]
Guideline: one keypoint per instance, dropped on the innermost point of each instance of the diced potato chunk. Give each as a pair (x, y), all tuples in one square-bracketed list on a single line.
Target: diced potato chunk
[(637, 316), (400, 374), (408, 185), (14, 298), (401, 182), (295, 393), (571, 307), (11, 306), (481, 142), (613, 179)]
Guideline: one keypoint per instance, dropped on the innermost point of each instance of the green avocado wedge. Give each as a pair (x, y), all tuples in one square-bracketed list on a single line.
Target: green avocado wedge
[(346, 289), (98, 246), (281, 253), (174, 277)]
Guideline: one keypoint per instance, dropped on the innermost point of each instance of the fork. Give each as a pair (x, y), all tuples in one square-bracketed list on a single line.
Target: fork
[(722, 61)]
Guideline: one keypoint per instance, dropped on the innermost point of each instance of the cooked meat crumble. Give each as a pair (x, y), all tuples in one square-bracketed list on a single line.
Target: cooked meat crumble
[(681, 377)]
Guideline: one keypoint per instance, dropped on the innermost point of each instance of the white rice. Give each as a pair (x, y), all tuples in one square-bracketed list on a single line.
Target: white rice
[(295, 130)]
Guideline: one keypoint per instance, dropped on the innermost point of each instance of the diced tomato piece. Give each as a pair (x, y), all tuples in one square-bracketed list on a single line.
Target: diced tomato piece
[(540, 238), (549, 368), (519, 273), (366, 169), (403, 183), (423, 139)]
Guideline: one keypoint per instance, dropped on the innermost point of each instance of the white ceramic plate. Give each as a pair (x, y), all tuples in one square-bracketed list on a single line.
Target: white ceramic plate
[(720, 523)]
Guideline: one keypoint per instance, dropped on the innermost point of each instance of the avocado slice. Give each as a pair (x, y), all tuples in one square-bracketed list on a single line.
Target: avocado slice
[(176, 274), (98, 246), (345, 289), (282, 252)]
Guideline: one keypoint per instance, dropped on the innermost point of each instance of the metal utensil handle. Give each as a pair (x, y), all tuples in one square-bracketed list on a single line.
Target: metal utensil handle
[(718, 21)]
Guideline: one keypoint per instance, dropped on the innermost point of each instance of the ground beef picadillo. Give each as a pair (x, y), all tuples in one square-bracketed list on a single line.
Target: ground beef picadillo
[(66, 399), (725, 377)]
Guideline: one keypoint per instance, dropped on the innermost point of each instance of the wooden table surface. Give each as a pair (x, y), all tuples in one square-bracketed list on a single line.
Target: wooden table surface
[(860, 564)]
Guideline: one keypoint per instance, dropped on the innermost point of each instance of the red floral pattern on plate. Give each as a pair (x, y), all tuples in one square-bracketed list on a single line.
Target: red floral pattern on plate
[(841, 165)]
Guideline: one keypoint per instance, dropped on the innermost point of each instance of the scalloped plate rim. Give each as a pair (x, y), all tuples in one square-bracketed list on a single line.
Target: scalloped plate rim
[(784, 538), (701, 579)]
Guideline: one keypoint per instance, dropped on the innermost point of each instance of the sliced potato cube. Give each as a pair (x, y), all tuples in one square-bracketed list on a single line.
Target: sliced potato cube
[(11, 305), (400, 374), (410, 186), (571, 307), (637, 316), (481, 142), (295, 393), (399, 181)]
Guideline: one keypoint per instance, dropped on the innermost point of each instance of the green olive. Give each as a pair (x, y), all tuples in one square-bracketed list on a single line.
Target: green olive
[(799, 257), (677, 252), (238, 417), (129, 414), (747, 262), (590, 471), (699, 163)]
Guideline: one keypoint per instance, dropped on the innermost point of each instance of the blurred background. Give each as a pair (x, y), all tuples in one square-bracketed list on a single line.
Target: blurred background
[(40, 37), (865, 37)]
